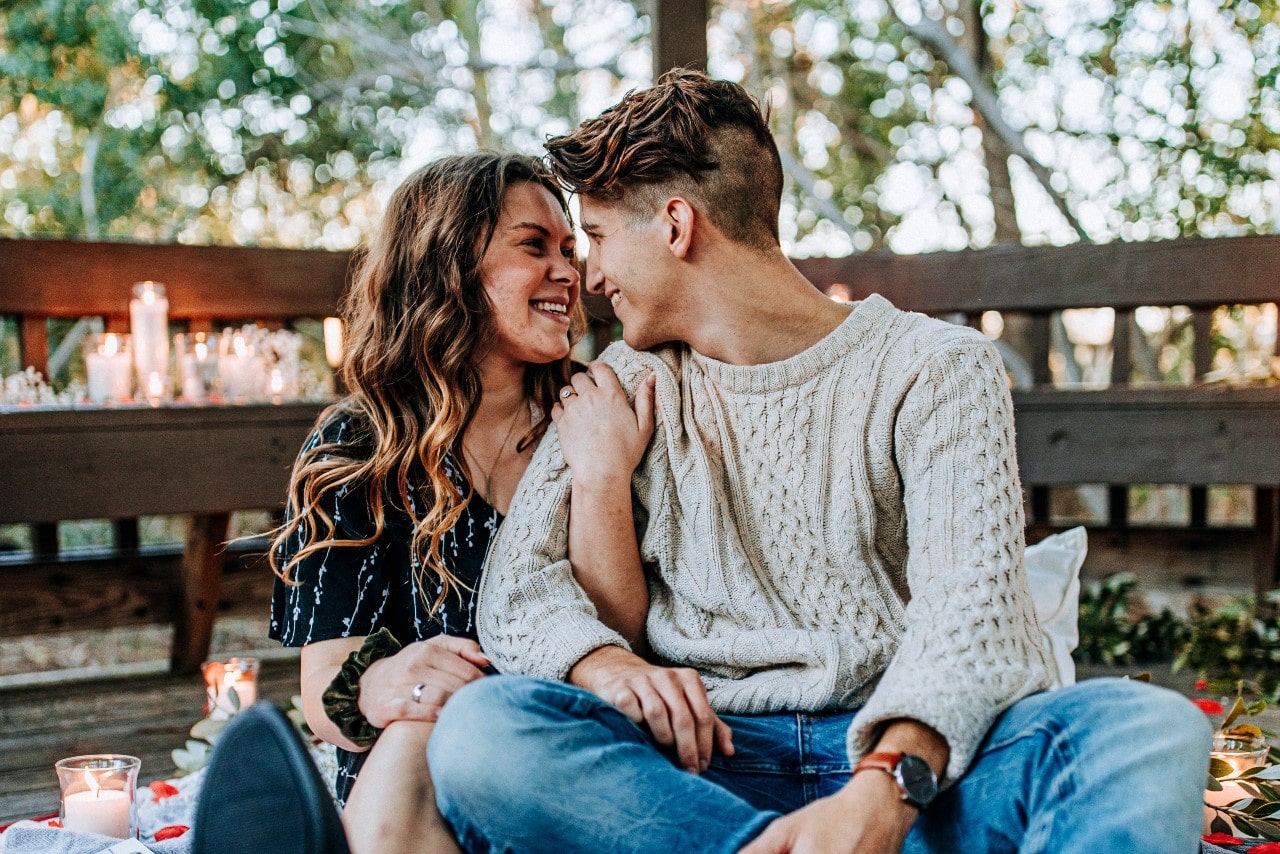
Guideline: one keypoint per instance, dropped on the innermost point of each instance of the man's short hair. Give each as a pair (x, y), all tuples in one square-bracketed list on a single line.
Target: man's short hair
[(690, 136)]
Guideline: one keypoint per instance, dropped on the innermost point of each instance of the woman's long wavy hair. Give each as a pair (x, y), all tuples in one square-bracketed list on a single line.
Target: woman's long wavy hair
[(417, 323)]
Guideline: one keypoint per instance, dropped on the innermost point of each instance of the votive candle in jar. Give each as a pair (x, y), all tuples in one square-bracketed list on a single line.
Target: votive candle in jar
[(1241, 753), (98, 794), (221, 678), (108, 365), (149, 323)]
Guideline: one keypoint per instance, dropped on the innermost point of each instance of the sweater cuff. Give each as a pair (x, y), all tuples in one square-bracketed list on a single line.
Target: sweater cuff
[(963, 734), (551, 650)]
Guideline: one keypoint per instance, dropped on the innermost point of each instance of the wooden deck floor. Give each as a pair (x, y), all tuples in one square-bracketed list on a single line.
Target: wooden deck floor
[(146, 716)]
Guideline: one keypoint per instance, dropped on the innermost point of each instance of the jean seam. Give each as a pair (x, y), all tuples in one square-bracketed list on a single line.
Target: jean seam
[(1062, 751)]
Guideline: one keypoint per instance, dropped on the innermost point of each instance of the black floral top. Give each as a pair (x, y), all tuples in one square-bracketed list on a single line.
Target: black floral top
[(355, 591)]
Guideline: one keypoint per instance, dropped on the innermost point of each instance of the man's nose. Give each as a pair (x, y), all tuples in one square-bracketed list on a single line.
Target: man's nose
[(594, 278)]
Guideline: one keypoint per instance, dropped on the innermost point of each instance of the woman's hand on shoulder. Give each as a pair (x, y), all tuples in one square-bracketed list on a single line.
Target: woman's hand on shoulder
[(415, 683), (601, 435)]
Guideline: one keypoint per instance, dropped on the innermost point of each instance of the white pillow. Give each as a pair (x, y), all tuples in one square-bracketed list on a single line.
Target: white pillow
[(1053, 572)]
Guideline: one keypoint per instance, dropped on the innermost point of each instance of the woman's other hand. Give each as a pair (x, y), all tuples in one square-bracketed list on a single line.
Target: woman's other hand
[(602, 437), (415, 683)]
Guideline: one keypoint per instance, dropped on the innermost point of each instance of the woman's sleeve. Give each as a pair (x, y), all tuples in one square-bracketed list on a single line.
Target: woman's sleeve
[(338, 591)]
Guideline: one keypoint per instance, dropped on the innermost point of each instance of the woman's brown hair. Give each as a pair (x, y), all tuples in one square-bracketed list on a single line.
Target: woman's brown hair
[(417, 321)]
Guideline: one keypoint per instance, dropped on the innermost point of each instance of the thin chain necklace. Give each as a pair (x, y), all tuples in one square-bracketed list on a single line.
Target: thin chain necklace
[(487, 492)]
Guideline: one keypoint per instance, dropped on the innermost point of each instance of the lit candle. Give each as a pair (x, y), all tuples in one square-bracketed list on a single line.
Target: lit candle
[(109, 367), (97, 794), (155, 388), (197, 365), (149, 323), (1241, 754), (275, 387), (333, 341), (237, 368), (97, 810), (223, 677)]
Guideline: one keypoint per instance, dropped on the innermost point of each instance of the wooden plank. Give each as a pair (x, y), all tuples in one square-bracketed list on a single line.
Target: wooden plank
[(201, 581), (124, 534), (1202, 341), (102, 592), (1149, 435), (144, 716), (1038, 331), (679, 34), (1122, 348), (1190, 271), (44, 539), (138, 461), (70, 278), (34, 335)]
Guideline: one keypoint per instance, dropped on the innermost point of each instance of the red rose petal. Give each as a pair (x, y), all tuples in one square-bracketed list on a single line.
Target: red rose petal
[(1222, 839), (170, 832), (53, 822), (161, 790), (1266, 848), (1209, 707)]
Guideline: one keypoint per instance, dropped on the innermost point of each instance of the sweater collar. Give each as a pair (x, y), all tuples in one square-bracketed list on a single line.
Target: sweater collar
[(806, 364)]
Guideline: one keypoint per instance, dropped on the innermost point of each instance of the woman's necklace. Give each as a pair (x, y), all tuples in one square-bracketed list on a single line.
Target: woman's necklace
[(487, 492)]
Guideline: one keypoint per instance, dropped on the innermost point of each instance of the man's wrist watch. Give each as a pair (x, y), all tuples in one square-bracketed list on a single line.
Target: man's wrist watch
[(916, 780)]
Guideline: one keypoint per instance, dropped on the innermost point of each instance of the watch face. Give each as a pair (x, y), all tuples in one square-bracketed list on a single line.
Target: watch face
[(917, 779)]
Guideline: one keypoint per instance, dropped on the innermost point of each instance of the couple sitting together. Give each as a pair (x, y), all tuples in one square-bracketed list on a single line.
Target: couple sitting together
[(752, 581)]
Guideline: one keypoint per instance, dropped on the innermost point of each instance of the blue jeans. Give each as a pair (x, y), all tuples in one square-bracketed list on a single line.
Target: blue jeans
[(526, 765)]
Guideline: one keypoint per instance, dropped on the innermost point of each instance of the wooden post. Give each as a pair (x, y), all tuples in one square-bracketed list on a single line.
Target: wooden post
[(1266, 550), (679, 29), (125, 535), (199, 585), (35, 343)]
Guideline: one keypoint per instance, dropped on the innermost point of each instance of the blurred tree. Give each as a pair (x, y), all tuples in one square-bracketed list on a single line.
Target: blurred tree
[(272, 121)]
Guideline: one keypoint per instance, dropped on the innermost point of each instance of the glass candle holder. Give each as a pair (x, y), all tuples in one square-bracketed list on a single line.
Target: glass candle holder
[(1241, 753), (149, 323), (230, 686), (98, 794), (240, 370), (197, 364), (108, 362)]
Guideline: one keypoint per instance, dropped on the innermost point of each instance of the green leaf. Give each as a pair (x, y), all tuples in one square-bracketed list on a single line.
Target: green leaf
[(1219, 825), (1237, 709), (1212, 784), (1267, 772), (1219, 768)]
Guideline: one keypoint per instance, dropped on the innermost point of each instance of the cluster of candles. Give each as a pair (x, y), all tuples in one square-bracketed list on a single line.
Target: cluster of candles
[(98, 792), (207, 365)]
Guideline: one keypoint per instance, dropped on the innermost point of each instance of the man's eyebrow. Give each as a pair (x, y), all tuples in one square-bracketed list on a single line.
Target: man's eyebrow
[(589, 226)]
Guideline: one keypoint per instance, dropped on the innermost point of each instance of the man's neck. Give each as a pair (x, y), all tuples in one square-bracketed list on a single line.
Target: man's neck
[(757, 309)]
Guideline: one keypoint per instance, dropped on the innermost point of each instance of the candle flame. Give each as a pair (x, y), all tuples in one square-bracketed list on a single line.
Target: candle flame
[(202, 351), (92, 782), (155, 385), (277, 381), (110, 344), (241, 347)]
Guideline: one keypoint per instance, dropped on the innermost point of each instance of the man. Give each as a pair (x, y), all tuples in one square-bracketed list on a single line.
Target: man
[(843, 654)]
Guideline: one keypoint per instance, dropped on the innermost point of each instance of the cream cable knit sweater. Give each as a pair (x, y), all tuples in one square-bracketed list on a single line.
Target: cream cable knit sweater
[(841, 529)]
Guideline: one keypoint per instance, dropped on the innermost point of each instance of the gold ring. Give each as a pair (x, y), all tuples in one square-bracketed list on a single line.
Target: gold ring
[(567, 392)]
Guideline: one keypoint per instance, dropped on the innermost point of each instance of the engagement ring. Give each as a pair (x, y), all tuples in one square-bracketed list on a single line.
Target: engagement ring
[(416, 693), (566, 393)]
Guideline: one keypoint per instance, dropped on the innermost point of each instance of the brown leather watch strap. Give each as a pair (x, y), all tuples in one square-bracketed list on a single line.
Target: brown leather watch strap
[(884, 761)]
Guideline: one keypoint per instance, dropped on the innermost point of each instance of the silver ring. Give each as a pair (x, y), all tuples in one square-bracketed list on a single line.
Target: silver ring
[(416, 693), (566, 393)]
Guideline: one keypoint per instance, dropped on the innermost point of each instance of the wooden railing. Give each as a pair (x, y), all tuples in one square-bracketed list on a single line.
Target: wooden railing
[(209, 461)]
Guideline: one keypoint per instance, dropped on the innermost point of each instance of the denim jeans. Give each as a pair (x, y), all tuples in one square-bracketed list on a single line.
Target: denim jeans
[(526, 765)]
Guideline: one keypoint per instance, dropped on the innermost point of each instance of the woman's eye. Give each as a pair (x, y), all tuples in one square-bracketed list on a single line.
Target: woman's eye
[(568, 253)]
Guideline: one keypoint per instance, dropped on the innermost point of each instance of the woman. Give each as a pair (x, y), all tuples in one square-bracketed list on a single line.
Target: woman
[(459, 328)]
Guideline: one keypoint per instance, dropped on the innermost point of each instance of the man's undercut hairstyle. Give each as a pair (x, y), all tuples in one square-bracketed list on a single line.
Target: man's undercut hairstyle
[(704, 140)]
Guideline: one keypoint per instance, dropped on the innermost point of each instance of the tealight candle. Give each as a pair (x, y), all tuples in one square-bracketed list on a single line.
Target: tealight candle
[(149, 323), (109, 366), (1241, 755), (97, 794), (221, 678), (197, 365)]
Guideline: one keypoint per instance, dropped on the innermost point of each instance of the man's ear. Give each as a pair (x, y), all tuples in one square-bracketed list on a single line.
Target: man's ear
[(679, 219)]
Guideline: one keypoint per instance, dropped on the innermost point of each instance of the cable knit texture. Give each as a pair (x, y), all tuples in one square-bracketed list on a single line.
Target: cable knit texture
[(841, 529)]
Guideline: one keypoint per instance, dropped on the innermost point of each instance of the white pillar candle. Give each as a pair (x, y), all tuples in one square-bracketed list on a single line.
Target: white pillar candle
[(109, 368), (104, 811), (333, 341), (149, 323), (189, 372)]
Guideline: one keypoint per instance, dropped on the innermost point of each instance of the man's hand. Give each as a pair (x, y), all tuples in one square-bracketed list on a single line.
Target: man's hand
[(671, 701), (867, 816), (441, 665)]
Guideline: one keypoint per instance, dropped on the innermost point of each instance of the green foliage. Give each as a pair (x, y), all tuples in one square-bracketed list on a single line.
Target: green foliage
[(1233, 644), (1111, 633)]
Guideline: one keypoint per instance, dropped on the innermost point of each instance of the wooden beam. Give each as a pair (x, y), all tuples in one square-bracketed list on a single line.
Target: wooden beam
[(679, 34), (1191, 271), (109, 591), (1207, 435), (71, 278), (138, 461), (34, 335)]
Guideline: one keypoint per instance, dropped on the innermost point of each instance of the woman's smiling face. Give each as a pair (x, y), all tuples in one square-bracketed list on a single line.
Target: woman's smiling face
[(530, 277)]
